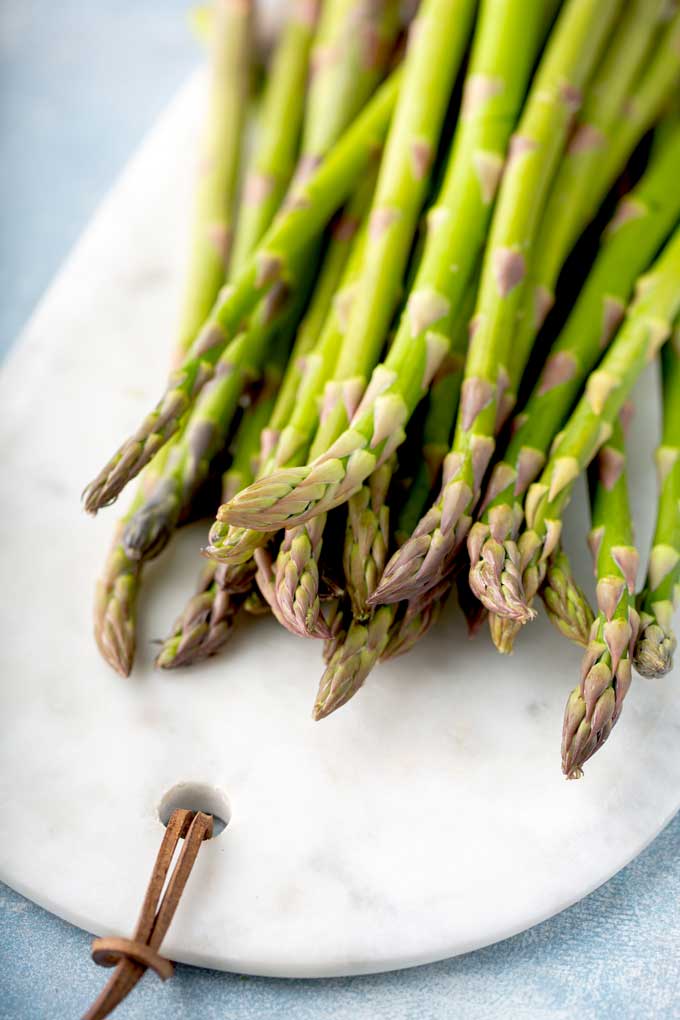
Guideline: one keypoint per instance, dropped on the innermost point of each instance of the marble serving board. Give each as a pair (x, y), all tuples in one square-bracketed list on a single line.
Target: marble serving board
[(426, 818)]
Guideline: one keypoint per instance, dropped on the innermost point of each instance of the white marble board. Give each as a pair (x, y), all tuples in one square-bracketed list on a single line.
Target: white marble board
[(426, 818)]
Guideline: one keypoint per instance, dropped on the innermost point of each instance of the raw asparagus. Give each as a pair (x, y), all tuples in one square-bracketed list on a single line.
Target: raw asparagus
[(219, 164), (586, 172), (595, 704), (565, 603), (643, 219), (656, 642), (442, 29), (278, 133), (206, 623), (457, 224), (355, 646), (573, 48), (118, 588), (301, 223), (646, 328)]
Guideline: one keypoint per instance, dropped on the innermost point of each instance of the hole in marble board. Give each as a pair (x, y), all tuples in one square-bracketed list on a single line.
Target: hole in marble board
[(197, 797)]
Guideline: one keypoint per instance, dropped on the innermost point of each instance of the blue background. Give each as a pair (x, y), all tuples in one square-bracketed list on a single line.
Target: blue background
[(80, 83)]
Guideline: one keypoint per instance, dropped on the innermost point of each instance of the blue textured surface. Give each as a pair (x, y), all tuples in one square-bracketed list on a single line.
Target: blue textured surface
[(80, 82)]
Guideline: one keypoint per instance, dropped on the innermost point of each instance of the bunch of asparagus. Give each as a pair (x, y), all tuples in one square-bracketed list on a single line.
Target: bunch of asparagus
[(413, 318)]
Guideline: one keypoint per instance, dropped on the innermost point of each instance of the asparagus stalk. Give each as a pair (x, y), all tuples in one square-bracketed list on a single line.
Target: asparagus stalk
[(352, 49), (206, 622), (572, 50), (366, 538), (296, 414), (505, 45), (566, 604), (205, 433), (653, 92), (194, 636), (353, 44), (356, 645), (278, 136), (595, 704), (368, 512), (268, 175), (586, 173), (219, 164), (400, 190), (656, 642), (352, 661), (289, 235), (646, 328), (117, 590), (641, 222)]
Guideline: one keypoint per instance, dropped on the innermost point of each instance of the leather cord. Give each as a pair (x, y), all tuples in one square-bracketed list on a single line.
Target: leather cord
[(132, 957)]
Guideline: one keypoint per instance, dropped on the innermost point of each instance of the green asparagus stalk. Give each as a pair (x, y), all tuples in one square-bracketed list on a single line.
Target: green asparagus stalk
[(356, 645), (656, 642), (654, 91), (352, 661), (575, 43), (366, 538), (278, 136), (400, 190), (647, 326), (268, 175), (495, 86), (368, 511), (354, 41), (595, 704), (302, 222), (643, 219), (205, 432), (350, 55), (219, 164), (218, 581), (206, 622), (118, 588), (586, 173), (565, 603), (296, 414), (352, 49), (116, 594)]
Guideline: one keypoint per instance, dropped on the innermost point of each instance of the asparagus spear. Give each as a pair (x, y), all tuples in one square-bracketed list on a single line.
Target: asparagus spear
[(350, 53), (567, 606), (205, 433), (118, 588), (586, 172), (368, 512), (366, 538), (653, 92), (646, 328), (352, 661), (364, 56), (279, 125), (206, 622), (400, 190), (580, 31), (641, 221), (656, 642), (219, 164), (292, 427), (289, 235), (595, 704), (505, 46), (355, 645)]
